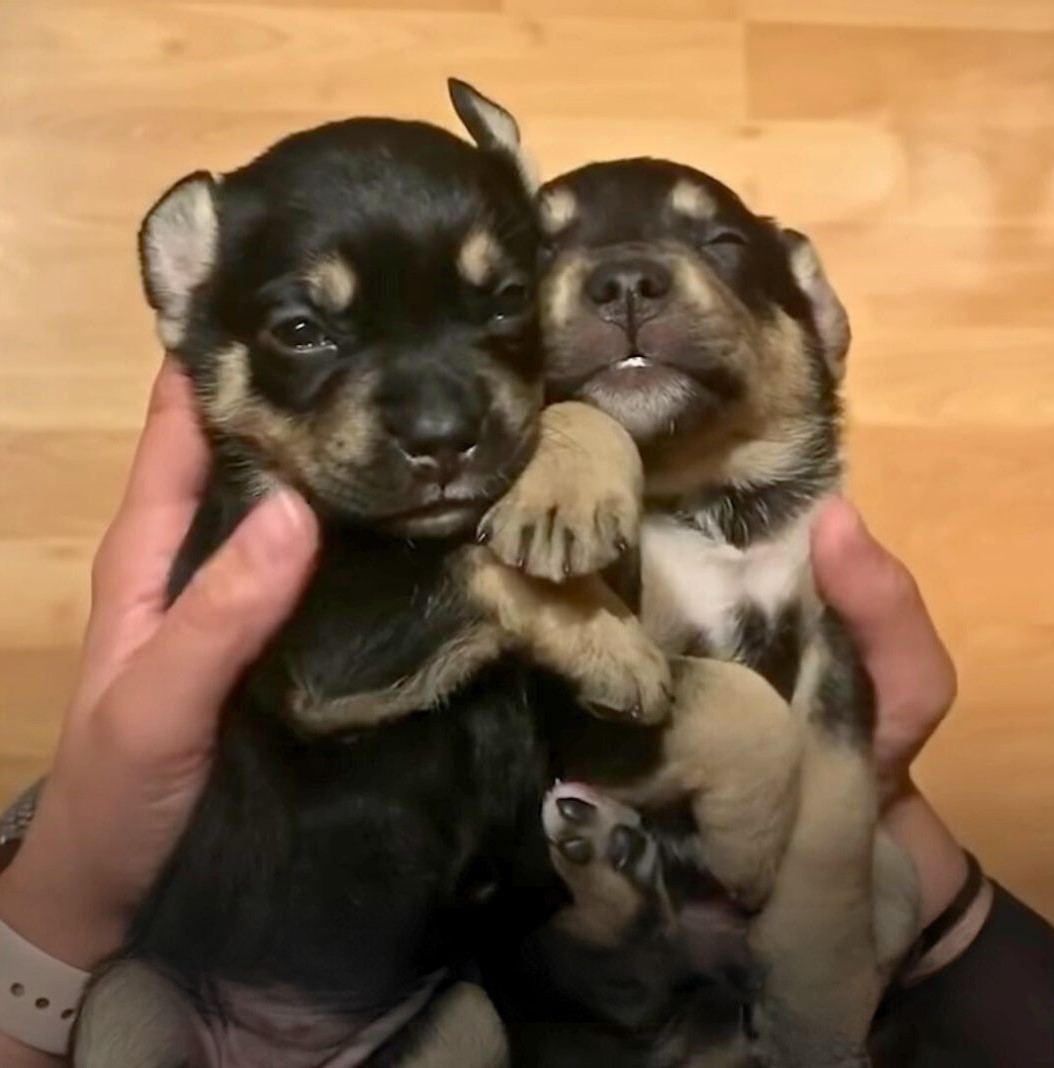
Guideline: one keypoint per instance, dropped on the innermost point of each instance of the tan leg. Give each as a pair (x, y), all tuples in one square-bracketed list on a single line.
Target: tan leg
[(463, 1031), (577, 506), (132, 1017), (815, 937), (735, 748), (580, 630)]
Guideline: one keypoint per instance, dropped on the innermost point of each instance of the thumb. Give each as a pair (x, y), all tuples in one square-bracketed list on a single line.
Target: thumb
[(216, 628), (879, 600)]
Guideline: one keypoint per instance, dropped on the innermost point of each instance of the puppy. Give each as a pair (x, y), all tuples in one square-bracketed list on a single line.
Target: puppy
[(355, 309), (715, 338)]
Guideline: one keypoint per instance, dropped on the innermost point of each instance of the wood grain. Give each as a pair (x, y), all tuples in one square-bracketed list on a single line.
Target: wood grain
[(913, 138)]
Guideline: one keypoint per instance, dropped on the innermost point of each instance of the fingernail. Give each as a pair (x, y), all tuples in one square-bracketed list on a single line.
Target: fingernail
[(278, 525)]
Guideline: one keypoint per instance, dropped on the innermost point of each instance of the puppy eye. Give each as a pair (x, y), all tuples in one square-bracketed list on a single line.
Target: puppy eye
[(724, 237), (300, 334), (508, 301)]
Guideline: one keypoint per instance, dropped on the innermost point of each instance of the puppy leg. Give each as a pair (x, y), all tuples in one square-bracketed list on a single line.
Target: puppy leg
[(734, 747), (462, 1030), (607, 860), (132, 1017), (815, 937), (577, 506), (615, 949), (580, 630)]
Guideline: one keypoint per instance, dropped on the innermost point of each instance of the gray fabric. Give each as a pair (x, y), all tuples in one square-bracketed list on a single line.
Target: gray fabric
[(19, 815)]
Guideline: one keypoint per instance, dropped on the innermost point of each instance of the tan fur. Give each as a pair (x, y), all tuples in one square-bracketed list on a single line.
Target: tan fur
[(562, 289), (580, 630), (134, 1018), (577, 505), (734, 748), (311, 450), (452, 665), (815, 936), (691, 199), (480, 256), (463, 1030), (557, 210), (332, 282), (605, 901)]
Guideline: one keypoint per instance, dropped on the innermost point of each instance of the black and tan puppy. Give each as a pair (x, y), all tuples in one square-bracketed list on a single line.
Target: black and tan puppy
[(715, 338), (355, 309)]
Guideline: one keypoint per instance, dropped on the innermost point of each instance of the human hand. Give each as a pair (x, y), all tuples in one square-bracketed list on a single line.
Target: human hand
[(139, 734), (879, 600)]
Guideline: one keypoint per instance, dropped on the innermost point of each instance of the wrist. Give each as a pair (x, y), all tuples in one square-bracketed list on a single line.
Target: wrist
[(48, 901), (938, 857)]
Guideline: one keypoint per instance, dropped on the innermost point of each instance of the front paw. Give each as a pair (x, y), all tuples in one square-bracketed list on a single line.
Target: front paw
[(559, 541), (624, 675), (576, 508)]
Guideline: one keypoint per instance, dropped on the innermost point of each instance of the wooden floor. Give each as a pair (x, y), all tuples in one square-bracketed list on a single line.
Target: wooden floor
[(914, 139)]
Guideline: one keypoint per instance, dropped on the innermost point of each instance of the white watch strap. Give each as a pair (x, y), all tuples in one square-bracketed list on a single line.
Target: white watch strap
[(39, 995)]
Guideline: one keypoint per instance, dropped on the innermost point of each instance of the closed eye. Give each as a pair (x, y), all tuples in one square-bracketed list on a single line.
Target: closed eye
[(724, 236)]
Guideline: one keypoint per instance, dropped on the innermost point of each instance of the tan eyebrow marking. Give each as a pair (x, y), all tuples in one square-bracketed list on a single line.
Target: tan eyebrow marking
[(558, 210), (480, 255), (691, 199), (332, 282)]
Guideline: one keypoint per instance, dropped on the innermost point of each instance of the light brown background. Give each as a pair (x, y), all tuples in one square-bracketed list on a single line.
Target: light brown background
[(914, 139)]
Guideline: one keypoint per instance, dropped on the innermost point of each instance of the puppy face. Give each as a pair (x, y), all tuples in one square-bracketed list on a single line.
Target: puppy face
[(670, 305), (356, 308)]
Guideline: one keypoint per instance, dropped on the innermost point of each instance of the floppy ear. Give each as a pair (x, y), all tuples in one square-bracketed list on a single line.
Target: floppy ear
[(491, 127), (178, 246), (832, 322)]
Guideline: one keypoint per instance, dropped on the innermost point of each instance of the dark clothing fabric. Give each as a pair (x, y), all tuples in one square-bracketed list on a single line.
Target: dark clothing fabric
[(993, 1007)]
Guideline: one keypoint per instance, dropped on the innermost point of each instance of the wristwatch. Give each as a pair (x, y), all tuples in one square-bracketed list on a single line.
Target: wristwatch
[(39, 994)]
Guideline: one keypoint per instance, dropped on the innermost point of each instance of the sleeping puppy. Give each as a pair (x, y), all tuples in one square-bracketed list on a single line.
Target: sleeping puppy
[(355, 309), (714, 337)]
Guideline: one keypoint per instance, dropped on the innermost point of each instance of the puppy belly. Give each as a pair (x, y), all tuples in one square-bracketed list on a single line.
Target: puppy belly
[(276, 1029)]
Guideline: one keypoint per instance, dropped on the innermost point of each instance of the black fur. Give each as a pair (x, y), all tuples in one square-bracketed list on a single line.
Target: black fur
[(348, 867)]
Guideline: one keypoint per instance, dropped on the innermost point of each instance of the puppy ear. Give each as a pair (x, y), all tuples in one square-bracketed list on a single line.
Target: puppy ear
[(178, 247), (832, 322), (491, 127)]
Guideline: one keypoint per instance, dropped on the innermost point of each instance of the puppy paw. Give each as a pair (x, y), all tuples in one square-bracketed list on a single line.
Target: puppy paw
[(577, 506), (624, 674), (607, 860)]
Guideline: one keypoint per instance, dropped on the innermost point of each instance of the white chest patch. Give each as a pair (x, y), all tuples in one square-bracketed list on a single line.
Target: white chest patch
[(695, 584)]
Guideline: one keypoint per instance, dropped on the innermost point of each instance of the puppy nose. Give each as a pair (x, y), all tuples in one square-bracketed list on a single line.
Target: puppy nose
[(614, 283), (438, 443)]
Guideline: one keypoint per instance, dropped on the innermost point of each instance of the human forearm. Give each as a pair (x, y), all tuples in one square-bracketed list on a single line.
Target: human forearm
[(939, 859)]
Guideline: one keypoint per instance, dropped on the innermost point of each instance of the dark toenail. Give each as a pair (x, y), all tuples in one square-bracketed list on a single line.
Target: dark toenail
[(636, 712), (577, 850), (621, 545), (574, 810), (626, 847), (483, 535)]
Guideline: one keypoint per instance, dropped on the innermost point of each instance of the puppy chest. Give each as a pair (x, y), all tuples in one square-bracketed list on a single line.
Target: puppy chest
[(702, 594)]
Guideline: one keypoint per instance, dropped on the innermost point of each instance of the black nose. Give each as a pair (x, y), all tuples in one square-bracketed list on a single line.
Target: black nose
[(439, 441), (615, 283)]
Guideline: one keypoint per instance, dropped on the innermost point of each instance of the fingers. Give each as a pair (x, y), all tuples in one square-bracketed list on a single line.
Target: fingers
[(169, 697), (163, 488), (133, 562), (878, 598)]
